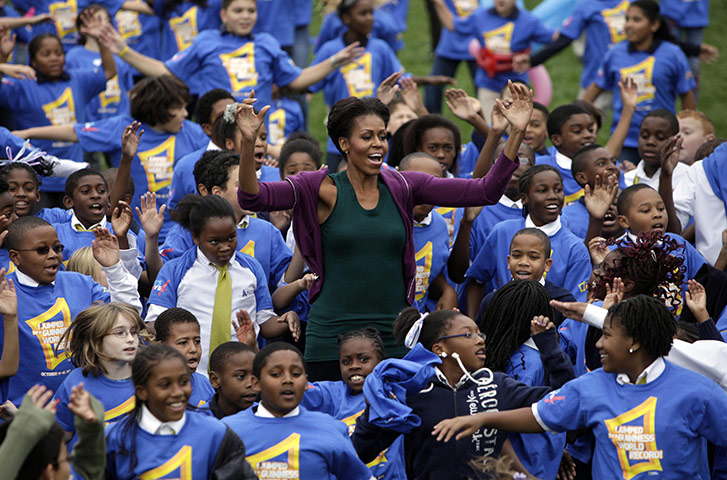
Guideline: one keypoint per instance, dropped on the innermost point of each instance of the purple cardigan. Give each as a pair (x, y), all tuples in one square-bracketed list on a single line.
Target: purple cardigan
[(300, 192)]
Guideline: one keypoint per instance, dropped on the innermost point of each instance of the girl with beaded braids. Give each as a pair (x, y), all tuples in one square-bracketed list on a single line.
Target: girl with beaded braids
[(637, 396), (461, 383)]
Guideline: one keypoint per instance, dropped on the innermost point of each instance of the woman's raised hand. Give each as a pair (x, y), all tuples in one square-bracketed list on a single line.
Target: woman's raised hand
[(517, 112), (249, 122)]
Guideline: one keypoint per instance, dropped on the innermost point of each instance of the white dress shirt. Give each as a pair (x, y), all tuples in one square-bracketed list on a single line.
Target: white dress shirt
[(549, 229), (638, 175), (151, 424), (265, 413)]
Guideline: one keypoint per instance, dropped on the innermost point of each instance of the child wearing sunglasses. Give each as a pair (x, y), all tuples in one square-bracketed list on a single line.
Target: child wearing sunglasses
[(49, 299)]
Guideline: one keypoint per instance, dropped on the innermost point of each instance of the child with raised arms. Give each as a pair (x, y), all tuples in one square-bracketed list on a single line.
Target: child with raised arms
[(232, 59), (179, 329), (460, 383), (161, 436), (101, 343), (231, 378), (281, 436), (214, 280), (50, 299), (359, 352), (637, 394), (541, 188)]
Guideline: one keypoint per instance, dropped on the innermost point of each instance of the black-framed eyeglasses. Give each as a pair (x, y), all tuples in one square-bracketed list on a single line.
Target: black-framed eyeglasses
[(466, 335), (43, 250)]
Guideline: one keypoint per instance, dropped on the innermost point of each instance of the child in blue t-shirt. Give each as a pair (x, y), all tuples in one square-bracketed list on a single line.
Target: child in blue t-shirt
[(161, 433), (24, 181), (182, 21), (179, 329), (542, 192), (634, 405), (687, 20), (231, 379), (101, 343), (383, 28), (232, 58), (284, 117), (49, 299), (214, 281), (285, 438), (659, 68), (359, 352), (142, 31)]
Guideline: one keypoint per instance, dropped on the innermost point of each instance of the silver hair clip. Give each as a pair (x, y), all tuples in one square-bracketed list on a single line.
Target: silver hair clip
[(230, 111)]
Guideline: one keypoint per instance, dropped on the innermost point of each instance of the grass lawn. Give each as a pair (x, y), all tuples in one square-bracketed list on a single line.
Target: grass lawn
[(564, 69)]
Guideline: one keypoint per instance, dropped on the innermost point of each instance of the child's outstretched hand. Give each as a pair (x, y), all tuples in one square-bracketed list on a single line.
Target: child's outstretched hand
[(305, 282), (388, 88), (21, 72), (598, 250), (248, 122), (614, 294), (244, 329), (121, 219), (539, 324), (91, 22), (8, 298), (7, 42), (293, 321), (708, 53), (42, 397), (80, 404), (151, 219), (601, 197), (110, 38), (460, 104), (670, 155), (629, 92), (518, 112), (130, 139), (8, 411), (412, 97), (463, 426), (498, 121), (697, 300), (105, 248)]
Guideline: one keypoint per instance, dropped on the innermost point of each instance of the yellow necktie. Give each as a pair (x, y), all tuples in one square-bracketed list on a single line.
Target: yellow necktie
[(222, 312), (641, 381)]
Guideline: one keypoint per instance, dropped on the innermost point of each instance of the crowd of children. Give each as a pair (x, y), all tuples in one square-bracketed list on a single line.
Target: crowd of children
[(223, 297)]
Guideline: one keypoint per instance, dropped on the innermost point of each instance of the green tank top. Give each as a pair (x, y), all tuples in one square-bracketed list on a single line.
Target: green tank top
[(363, 282)]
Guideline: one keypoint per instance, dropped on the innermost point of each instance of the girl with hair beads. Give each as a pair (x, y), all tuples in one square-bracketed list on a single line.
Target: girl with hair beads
[(102, 341), (359, 351), (368, 210), (634, 405), (461, 384), (160, 437), (214, 280)]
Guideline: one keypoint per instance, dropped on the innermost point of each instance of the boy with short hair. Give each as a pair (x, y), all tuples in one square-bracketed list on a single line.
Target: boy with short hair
[(537, 131), (529, 259), (231, 378), (695, 128)]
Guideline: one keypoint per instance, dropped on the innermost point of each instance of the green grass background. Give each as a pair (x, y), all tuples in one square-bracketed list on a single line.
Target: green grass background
[(564, 69)]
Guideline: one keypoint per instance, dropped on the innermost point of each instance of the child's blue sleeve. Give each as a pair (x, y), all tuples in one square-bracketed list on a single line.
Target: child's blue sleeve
[(605, 78), (99, 293), (11, 92), (9, 140), (318, 399), (578, 272), (101, 136), (283, 68), (92, 81), (164, 291), (484, 266), (713, 423), (64, 417), (321, 55), (562, 409), (186, 63), (280, 257), (684, 80), (327, 31), (344, 462), (540, 32), (263, 300), (574, 25)]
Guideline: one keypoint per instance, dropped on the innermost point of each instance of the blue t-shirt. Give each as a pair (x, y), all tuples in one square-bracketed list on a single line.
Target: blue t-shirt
[(259, 239), (236, 64), (152, 167), (490, 216), (308, 445), (454, 44), (603, 21), (686, 13), (453, 217), (284, 117), (181, 26), (651, 430), (335, 399), (9, 140), (45, 312), (115, 99), (188, 454), (384, 29), (64, 13), (55, 215), (508, 35), (399, 10), (183, 182), (431, 247), (467, 160), (275, 17), (202, 391), (571, 189), (303, 12), (661, 73), (141, 32), (575, 217), (61, 102), (73, 239), (571, 262)]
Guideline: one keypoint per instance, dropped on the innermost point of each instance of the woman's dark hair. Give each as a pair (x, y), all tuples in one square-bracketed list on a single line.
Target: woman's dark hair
[(35, 43), (299, 144), (171, 5), (142, 368), (397, 144), (651, 11), (153, 97), (526, 180), (44, 453), (415, 135), (40, 167), (648, 321), (434, 325), (193, 211), (368, 333), (507, 320), (261, 359), (653, 265), (93, 8), (344, 113)]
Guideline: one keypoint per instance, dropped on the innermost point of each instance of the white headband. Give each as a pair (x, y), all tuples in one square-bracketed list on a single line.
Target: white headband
[(412, 336)]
